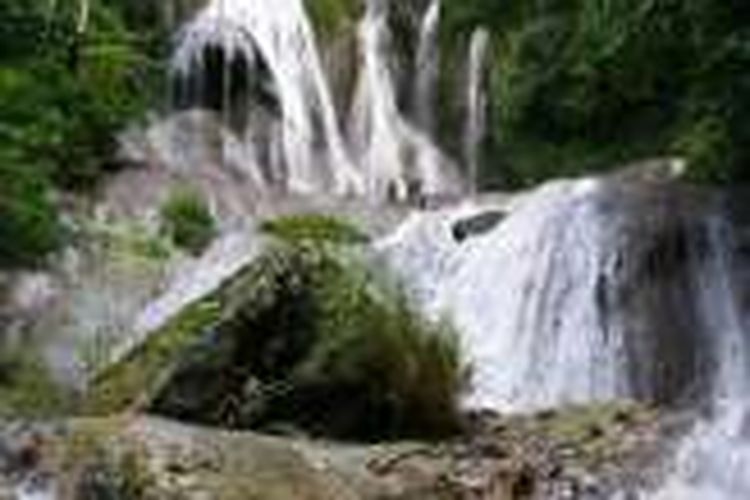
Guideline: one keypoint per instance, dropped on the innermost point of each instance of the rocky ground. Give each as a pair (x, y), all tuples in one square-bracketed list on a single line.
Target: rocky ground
[(588, 452)]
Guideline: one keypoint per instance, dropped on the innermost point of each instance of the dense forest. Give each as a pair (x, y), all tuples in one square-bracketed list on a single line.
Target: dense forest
[(581, 85), (576, 87)]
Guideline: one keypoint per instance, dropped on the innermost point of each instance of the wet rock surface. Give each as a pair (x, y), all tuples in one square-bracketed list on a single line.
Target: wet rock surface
[(578, 453)]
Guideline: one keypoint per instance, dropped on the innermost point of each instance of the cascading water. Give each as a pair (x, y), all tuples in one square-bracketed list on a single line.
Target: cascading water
[(507, 291), (382, 155), (428, 66), (476, 104), (597, 290), (398, 159), (714, 460), (577, 295), (260, 33)]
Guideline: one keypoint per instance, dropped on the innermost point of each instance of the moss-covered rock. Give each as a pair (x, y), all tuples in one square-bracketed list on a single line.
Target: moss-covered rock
[(27, 389), (314, 228), (304, 337), (128, 382)]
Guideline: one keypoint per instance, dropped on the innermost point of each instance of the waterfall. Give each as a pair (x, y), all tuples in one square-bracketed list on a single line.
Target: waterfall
[(400, 160), (375, 115), (428, 66), (262, 34), (523, 298), (596, 290), (714, 460), (476, 104), (578, 294), (273, 51)]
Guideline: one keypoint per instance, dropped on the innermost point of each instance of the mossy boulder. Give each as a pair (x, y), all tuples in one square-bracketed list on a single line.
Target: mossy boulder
[(306, 338)]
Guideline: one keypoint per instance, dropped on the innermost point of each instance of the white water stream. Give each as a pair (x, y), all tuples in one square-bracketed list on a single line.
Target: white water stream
[(382, 155), (713, 462), (280, 37), (476, 104), (428, 68), (523, 297)]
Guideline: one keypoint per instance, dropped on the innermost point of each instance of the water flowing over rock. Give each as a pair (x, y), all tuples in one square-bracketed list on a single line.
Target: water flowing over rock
[(259, 66), (476, 104), (280, 41), (585, 291), (398, 158), (428, 67), (714, 460)]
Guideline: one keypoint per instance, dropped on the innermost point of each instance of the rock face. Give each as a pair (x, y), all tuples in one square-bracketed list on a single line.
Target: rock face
[(574, 453)]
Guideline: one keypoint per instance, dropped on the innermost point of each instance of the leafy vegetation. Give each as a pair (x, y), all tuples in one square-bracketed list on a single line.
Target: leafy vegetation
[(308, 342), (68, 83), (187, 220), (125, 384), (578, 86), (28, 225), (303, 338), (314, 228), (27, 389)]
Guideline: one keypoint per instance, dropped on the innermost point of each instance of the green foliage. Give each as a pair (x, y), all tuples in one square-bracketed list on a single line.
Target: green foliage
[(64, 94), (124, 384), (27, 390), (397, 374), (314, 228), (187, 220), (334, 354), (304, 337), (28, 223), (706, 145), (578, 86)]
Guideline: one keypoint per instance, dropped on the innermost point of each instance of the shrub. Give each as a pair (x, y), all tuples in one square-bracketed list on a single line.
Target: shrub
[(378, 369), (187, 220), (304, 338), (706, 146), (334, 355), (314, 228)]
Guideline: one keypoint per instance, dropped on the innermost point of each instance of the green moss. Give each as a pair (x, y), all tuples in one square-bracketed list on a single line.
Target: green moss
[(27, 389), (303, 337), (314, 228), (122, 385)]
